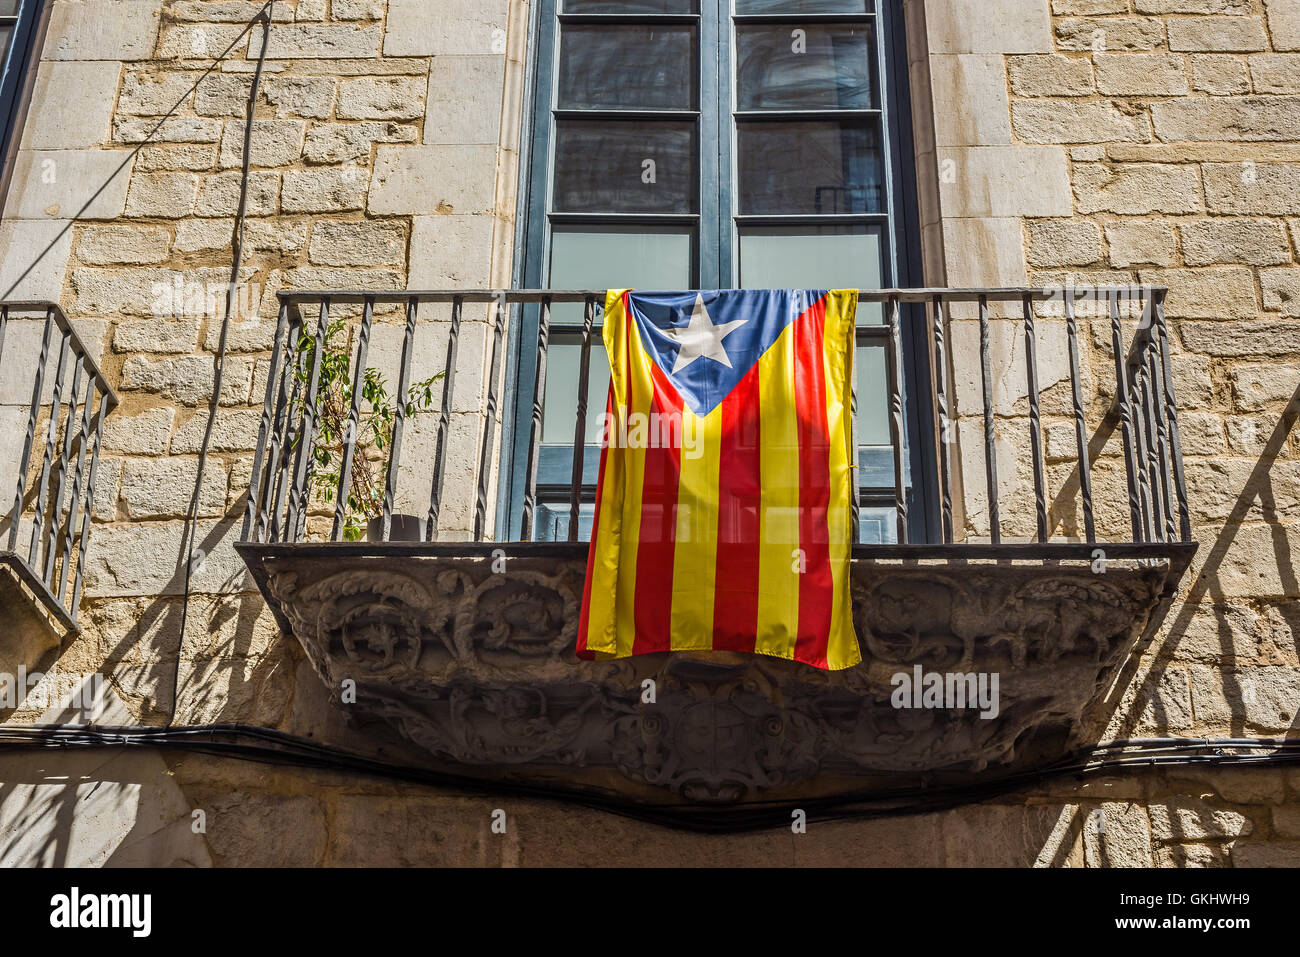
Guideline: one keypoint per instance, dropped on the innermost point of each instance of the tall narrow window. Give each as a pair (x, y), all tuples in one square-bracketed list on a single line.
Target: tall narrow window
[(683, 144)]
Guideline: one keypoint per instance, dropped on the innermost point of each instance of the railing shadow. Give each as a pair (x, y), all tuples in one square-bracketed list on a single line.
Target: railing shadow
[(1258, 488)]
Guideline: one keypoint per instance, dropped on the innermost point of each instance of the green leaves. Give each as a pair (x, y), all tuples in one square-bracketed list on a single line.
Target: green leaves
[(371, 436)]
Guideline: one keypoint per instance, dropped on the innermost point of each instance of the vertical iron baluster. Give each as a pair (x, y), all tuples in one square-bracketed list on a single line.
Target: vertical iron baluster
[(87, 513), (282, 436), (60, 480), (1080, 428), (1155, 449), (1126, 416), (299, 494), (1153, 444), (1171, 414), (990, 449), (30, 435), (51, 433), (1137, 389), (580, 424), (354, 421), (1162, 437), (399, 416), (4, 324), (894, 365), (255, 502), (1139, 447), (444, 420), (945, 426), (500, 313), (1035, 420), (535, 435), (1137, 399), (292, 434), (74, 505)]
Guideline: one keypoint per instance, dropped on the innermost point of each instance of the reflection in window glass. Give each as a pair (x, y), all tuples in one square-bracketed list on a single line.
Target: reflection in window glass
[(807, 67), (553, 522), (814, 257), (877, 526), (809, 167), (625, 167), (752, 7), (628, 67)]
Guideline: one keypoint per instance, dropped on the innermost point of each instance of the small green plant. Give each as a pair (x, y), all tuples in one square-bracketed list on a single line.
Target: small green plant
[(374, 429)]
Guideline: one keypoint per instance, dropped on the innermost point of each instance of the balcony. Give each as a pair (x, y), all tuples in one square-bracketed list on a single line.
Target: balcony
[(1041, 463), (52, 414)]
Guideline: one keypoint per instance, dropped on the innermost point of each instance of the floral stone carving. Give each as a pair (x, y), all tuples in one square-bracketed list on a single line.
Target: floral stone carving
[(476, 666)]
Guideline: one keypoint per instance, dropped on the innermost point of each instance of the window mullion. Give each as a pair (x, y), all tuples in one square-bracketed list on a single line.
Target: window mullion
[(713, 119)]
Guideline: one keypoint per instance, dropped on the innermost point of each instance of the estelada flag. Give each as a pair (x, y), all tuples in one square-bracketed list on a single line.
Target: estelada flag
[(724, 503)]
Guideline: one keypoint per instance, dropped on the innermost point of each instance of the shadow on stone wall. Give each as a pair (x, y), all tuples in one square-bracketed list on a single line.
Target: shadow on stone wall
[(1252, 701)]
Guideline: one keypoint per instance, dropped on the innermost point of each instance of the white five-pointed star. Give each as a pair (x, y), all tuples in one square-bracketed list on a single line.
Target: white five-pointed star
[(701, 339)]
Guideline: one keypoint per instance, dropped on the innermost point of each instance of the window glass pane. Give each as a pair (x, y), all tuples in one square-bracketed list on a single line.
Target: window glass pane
[(559, 413), (873, 403), (750, 7), (635, 67), (878, 526), (809, 168), (875, 447), (814, 257), (552, 522), (6, 34), (631, 6), (9, 8), (621, 257), (625, 167), (805, 67)]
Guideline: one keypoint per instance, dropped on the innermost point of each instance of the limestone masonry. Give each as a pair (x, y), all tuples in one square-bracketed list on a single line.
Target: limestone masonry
[(1057, 142)]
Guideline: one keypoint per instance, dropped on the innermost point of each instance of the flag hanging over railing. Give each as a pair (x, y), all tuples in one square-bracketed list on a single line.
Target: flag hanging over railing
[(724, 503)]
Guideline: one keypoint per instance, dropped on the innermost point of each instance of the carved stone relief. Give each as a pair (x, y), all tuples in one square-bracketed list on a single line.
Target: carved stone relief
[(478, 669)]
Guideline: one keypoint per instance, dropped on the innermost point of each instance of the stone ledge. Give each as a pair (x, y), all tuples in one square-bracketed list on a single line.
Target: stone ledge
[(34, 621)]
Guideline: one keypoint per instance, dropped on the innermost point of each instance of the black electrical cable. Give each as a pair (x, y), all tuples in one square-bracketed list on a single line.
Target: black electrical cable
[(236, 255), (268, 746)]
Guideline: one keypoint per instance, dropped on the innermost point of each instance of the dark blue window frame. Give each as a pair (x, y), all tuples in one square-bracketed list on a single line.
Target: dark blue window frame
[(717, 253), (18, 57)]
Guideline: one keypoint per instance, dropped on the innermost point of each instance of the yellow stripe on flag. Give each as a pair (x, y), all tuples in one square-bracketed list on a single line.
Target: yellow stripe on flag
[(778, 572), (695, 559), (618, 526), (842, 649)]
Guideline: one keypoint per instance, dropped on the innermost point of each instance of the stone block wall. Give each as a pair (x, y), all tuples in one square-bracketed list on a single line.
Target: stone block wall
[(1114, 142), (1098, 141), (383, 157)]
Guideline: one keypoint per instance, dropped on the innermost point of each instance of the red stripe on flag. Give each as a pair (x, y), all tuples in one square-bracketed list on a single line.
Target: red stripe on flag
[(735, 604), (816, 586), (655, 551)]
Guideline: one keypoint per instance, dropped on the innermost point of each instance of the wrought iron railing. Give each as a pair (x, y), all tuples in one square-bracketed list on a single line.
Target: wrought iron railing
[(1118, 379), (48, 526)]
